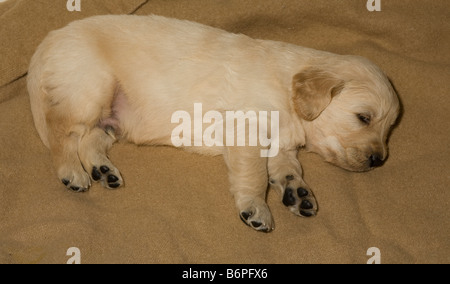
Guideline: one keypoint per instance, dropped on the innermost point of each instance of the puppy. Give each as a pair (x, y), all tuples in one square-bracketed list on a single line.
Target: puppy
[(110, 77)]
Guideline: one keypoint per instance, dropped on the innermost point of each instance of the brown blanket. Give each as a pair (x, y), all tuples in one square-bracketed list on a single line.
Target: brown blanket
[(175, 206)]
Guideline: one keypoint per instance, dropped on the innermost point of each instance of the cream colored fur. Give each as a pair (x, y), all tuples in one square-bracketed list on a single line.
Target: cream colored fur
[(124, 76)]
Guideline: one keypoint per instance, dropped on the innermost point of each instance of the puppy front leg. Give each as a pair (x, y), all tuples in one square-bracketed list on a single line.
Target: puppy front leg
[(249, 183), (286, 177)]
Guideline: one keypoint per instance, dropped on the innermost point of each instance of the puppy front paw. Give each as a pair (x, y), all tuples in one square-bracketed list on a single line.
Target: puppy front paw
[(300, 202), (297, 196), (257, 216)]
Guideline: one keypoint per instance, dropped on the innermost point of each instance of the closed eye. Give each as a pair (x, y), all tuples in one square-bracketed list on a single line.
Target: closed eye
[(364, 118)]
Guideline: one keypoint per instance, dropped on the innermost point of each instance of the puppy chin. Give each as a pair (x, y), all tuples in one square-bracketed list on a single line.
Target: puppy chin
[(351, 159), (352, 166)]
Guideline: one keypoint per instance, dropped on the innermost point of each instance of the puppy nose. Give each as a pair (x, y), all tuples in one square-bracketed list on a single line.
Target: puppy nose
[(375, 161)]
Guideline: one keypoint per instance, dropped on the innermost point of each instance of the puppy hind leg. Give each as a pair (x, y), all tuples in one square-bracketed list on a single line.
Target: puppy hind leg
[(93, 153), (64, 150)]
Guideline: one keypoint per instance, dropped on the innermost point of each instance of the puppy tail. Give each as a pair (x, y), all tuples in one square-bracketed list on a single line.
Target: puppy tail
[(37, 94)]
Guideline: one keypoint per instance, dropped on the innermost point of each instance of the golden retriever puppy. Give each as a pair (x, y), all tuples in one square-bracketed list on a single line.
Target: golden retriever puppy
[(140, 79)]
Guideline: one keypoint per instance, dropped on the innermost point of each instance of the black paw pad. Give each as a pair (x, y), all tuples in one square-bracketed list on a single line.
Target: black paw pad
[(246, 215), (306, 214), (256, 224), (302, 192), (112, 179), (306, 204), (96, 175), (104, 169), (288, 198), (75, 188), (114, 185)]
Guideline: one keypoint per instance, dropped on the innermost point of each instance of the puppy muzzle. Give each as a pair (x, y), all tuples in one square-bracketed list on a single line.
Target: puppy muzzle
[(375, 161)]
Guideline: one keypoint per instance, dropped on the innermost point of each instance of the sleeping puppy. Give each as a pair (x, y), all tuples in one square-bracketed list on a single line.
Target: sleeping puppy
[(124, 77)]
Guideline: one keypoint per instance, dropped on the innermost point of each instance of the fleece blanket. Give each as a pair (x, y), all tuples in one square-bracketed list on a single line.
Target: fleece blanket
[(176, 207)]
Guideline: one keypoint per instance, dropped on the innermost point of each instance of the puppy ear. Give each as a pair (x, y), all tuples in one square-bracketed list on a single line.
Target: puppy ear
[(313, 90)]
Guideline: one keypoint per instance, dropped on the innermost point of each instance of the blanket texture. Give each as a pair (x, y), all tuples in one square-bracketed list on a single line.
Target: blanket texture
[(176, 207)]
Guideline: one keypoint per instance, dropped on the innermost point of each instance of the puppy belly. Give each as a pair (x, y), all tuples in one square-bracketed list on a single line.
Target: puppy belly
[(110, 123), (137, 119), (118, 105)]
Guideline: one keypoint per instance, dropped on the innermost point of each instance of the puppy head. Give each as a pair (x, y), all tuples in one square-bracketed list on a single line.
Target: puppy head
[(347, 107)]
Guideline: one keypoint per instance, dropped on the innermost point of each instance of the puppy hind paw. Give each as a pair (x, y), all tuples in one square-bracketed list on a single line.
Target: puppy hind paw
[(77, 182), (109, 176)]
